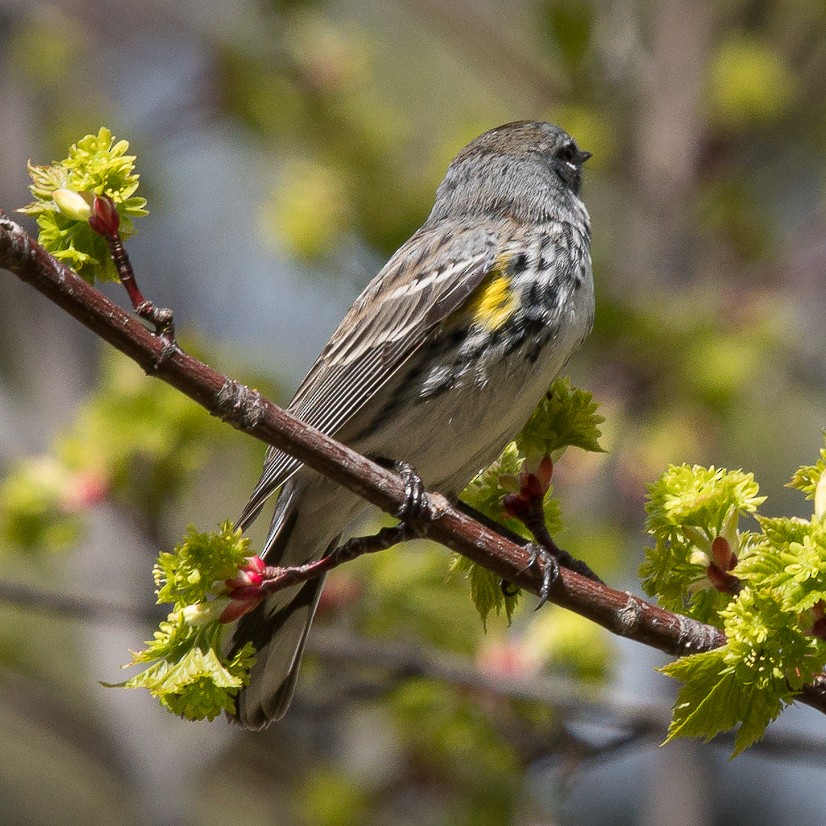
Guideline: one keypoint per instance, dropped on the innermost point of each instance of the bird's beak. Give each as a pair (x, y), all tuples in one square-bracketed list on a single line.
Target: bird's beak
[(583, 156)]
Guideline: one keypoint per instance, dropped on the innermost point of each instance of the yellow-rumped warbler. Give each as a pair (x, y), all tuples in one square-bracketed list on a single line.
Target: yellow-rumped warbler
[(439, 362)]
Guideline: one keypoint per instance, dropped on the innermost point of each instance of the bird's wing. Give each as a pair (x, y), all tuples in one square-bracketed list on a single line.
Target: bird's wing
[(427, 279)]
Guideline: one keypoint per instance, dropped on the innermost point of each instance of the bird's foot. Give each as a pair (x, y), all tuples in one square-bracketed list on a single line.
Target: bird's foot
[(549, 570)]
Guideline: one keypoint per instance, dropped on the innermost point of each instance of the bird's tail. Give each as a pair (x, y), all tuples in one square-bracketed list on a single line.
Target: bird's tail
[(304, 527), (278, 631)]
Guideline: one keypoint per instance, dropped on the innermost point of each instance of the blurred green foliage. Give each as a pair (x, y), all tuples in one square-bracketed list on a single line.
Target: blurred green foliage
[(135, 442), (749, 84)]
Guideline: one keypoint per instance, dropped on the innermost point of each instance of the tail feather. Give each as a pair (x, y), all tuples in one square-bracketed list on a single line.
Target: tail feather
[(278, 627), (309, 516), (279, 633)]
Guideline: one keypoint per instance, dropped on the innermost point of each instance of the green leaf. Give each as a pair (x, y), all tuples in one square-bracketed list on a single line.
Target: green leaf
[(196, 683), (186, 576), (700, 497), (772, 625), (807, 477), (713, 699), (769, 656), (485, 589), (688, 507), (566, 417), (708, 701), (188, 670), (783, 530)]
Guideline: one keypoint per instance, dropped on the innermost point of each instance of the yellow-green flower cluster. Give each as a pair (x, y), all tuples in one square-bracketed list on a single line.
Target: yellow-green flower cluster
[(188, 672), (774, 619), (64, 191)]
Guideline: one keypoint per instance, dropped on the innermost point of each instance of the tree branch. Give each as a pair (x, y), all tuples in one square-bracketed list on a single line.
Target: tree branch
[(620, 612)]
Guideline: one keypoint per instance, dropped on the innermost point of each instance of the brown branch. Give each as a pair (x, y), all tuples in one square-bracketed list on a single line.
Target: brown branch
[(620, 612)]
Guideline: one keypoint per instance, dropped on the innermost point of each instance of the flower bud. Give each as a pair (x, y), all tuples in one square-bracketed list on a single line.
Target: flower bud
[(545, 471), (203, 612), (72, 204), (722, 554), (105, 219), (255, 563), (236, 608)]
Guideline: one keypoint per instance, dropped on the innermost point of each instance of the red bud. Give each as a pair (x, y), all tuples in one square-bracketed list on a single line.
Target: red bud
[(243, 591), (721, 580), (104, 220), (87, 488), (255, 563), (545, 472), (721, 553), (515, 505)]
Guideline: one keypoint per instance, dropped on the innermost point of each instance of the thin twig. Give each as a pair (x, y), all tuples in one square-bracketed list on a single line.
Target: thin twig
[(105, 221), (277, 579), (641, 717), (89, 608)]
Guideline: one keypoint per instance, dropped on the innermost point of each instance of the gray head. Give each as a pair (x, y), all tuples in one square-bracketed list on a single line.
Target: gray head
[(528, 171)]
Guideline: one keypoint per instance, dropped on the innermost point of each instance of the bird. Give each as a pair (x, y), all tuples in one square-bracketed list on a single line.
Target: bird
[(438, 363)]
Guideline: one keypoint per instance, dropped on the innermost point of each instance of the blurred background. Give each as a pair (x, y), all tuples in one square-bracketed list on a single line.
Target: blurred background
[(286, 149)]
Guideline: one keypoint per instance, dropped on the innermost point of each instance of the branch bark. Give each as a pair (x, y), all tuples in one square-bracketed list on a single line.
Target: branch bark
[(620, 612)]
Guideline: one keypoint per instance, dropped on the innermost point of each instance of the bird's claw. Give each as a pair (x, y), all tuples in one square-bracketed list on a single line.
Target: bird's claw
[(415, 499), (550, 570)]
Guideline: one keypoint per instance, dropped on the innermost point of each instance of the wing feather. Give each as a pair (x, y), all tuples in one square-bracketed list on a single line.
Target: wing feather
[(427, 279)]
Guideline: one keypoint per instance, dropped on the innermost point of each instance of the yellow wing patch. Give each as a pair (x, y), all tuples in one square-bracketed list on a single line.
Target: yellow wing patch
[(493, 302)]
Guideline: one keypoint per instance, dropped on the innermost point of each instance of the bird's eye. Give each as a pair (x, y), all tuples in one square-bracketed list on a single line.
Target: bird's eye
[(568, 153)]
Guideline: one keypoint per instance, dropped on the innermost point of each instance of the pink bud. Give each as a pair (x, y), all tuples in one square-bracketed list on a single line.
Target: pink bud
[(85, 490), (255, 563), (243, 591), (504, 659), (251, 574), (247, 578)]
